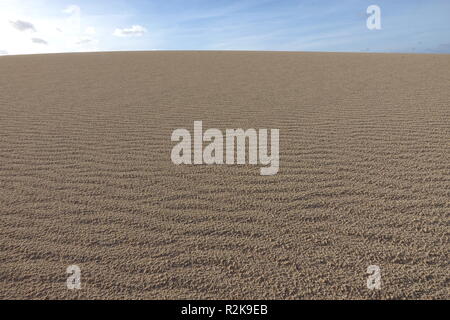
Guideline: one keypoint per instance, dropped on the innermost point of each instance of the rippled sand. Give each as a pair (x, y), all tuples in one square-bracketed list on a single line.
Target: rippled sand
[(86, 176)]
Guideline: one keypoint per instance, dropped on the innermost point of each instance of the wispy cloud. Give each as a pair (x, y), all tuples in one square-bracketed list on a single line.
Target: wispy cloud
[(72, 9), (134, 31), (23, 25), (39, 41), (84, 41), (305, 25)]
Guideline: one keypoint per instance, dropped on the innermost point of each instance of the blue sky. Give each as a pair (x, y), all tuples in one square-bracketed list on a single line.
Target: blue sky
[(39, 26)]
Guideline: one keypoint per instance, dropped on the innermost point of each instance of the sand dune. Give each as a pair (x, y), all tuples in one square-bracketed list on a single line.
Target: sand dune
[(86, 176)]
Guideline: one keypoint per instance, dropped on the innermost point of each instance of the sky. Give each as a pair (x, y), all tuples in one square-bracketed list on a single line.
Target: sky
[(47, 26)]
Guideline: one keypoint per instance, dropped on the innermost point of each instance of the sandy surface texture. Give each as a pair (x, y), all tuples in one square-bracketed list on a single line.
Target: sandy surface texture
[(86, 176)]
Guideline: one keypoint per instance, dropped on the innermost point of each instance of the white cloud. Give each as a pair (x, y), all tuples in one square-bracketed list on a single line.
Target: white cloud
[(23, 25), (3, 52), (134, 31), (70, 30), (86, 40), (73, 22), (39, 41), (72, 10)]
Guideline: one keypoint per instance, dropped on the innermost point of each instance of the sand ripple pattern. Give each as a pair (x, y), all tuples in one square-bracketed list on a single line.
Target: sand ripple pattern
[(86, 176)]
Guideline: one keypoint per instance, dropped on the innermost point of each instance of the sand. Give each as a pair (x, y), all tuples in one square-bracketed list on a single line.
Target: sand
[(86, 176)]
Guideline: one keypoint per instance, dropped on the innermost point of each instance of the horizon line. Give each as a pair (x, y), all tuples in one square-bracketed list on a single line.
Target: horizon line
[(222, 50)]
